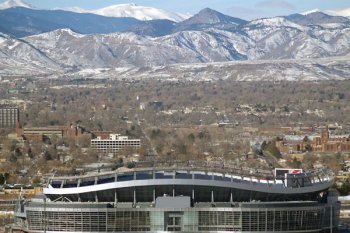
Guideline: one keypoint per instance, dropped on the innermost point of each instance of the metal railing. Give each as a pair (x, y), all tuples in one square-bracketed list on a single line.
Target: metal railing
[(208, 171)]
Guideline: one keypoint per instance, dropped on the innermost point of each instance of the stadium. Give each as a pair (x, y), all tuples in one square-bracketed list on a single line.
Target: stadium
[(183, 198)]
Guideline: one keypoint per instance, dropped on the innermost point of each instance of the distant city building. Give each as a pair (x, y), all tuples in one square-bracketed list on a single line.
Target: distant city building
[(323, 143), (114, 143), (40, 133), (9, 116), (328, 143), (101, 134)]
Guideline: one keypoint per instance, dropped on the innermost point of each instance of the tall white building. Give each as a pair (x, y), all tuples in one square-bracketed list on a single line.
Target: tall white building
[(114, 143)]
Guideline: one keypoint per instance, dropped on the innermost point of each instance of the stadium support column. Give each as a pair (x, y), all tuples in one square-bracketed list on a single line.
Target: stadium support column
[(193, 188), (96, 197), (154, 187), (266, 219), (115, 197), (134, 196), (115, 190), (44, 215), (331, 220), (154, 194)]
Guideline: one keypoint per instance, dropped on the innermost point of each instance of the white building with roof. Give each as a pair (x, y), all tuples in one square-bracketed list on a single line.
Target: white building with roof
[(114, 143)]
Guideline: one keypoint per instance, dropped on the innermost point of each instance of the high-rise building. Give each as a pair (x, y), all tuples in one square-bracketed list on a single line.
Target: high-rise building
[(9, 116)]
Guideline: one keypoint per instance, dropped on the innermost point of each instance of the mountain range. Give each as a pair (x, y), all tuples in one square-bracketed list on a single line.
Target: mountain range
[(20, 19), (48, 41)]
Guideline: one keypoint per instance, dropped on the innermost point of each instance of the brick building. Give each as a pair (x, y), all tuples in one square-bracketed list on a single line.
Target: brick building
[(40, 133), (327, 143), (324, 143)]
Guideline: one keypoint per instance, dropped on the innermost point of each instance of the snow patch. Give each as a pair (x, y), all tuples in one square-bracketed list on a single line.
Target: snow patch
[(332, 25), (15, 3), (311, 12), (138, 12), (10, 47), (2, 40), (92, 71), (275, 22)]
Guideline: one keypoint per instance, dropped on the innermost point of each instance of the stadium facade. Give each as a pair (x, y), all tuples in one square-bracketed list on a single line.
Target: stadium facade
[(186, 199)]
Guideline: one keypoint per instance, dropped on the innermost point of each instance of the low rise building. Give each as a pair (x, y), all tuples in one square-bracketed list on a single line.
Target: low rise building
[(40, 133)]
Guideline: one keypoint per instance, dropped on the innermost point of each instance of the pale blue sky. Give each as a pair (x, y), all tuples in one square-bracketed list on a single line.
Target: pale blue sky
[(246, 9)]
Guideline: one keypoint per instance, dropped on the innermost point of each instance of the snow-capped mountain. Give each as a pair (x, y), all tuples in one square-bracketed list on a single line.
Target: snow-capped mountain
[(267, 39), (139, 12), (343, 12), (14, 3), (207, 37), (208, 18), (120, 11), (25, 21), (21, 22)]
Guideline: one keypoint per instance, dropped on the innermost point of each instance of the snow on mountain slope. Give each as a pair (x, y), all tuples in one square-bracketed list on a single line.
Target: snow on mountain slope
[(274, 22), (15, 3), (129, 49), (262, 29), (263, 39), (340, 12), (20, 57), (138, 12), (310, 12), (164, 57), (208, 18), (120, 10), (125, 49), (73, 9)]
